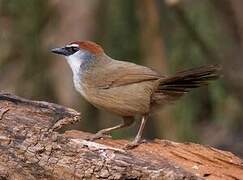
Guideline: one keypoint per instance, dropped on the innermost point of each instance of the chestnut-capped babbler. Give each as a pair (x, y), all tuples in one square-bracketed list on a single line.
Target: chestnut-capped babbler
[(124, 88)]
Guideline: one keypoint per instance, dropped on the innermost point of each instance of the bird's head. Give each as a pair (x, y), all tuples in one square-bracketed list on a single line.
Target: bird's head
[(79, 52), (80, 49)]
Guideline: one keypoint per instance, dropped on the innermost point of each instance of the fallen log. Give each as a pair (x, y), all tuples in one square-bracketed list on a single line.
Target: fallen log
[(31, 148)]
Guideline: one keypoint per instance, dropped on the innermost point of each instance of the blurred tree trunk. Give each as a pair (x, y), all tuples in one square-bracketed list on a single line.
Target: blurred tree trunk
[(236, 75), (23, 61), (152, 43), (237, 9), (232, 20), (154, 56)]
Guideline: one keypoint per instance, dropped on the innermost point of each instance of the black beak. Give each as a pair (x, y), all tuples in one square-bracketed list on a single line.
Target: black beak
[(62, 51)]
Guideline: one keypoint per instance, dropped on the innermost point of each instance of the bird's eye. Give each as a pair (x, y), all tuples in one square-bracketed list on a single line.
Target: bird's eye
[(72, 49)]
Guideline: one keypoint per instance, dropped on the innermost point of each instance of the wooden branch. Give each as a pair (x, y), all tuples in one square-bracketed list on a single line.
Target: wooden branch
[(31, 149)]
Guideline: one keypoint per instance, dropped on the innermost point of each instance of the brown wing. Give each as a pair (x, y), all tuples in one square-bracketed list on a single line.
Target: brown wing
[(119, 73), (120, 87)]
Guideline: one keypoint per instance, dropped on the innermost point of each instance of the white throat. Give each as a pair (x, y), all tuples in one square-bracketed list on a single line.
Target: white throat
[(75, 62)]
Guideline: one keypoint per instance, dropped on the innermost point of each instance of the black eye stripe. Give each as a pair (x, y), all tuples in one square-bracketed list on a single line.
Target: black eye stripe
[(75, 48), (72, 49)]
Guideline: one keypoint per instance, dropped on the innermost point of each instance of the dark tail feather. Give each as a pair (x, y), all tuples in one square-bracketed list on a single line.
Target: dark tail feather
[(173, 87)]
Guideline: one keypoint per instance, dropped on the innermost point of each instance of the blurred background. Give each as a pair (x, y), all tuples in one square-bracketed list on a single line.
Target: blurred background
[(166, 35)]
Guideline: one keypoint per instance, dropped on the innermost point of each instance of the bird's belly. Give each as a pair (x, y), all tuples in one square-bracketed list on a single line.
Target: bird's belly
[(129, 100)]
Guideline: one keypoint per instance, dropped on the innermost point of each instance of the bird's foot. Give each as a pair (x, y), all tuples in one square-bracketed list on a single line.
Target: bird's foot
[(133, 144), (99, 135)]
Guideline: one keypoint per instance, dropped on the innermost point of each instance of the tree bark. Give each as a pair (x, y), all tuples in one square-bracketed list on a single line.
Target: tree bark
[(31, 148)]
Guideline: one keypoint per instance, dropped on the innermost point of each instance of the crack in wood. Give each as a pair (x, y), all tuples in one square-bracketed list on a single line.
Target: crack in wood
[(185, 158), (3, 112)]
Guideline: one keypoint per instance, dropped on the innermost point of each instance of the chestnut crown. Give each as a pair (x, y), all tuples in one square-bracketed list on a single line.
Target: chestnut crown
[(75, 46)]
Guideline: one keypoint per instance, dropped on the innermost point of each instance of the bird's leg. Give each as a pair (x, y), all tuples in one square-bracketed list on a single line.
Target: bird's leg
[(127, 121), (137, 139)]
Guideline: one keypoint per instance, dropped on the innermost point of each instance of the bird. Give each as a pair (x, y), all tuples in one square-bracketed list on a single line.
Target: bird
[(127, 89)]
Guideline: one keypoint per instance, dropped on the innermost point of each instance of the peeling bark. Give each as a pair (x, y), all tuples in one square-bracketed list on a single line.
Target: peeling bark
[(31, 149)]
